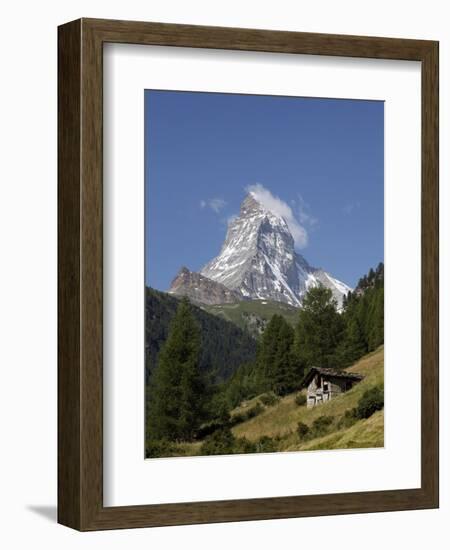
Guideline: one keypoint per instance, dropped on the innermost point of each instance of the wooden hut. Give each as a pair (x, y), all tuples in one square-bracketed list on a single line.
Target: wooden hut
[(324, 384)]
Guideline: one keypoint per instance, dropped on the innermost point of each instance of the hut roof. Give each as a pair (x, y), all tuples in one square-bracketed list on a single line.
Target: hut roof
[(330, 373)]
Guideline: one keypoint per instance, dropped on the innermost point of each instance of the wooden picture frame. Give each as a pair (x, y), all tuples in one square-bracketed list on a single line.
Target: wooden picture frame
[(80, 271)]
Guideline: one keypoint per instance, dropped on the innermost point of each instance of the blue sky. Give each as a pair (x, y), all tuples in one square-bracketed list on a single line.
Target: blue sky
[(323, 157)]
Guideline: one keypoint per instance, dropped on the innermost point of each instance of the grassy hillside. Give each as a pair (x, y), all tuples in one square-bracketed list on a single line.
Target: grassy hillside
[(275, 428), (253, 315), (281, 420)]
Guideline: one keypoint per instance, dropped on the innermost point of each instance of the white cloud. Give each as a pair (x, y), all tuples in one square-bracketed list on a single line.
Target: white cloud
[(304, 213), (215, 204), (281, 208), (351, 207)]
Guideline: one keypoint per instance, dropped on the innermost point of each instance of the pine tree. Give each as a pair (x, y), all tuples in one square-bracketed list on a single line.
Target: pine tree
[(375, 335), (176, 386), (353, 345), (276, 369), (364, 317), (243, 384), (285, 375), (267, 354), (380, 271), (319, 330)]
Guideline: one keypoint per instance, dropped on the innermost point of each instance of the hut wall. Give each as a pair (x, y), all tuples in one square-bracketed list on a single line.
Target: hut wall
[(316, 393)]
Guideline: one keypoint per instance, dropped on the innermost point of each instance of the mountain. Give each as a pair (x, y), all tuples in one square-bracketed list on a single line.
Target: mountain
[(201, 290), (258, 260), (224, 348), (215, 298)]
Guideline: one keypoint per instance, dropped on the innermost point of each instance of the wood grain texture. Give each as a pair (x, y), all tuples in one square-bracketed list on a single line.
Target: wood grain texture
[(69, 247), (80, 219), (430, 272)]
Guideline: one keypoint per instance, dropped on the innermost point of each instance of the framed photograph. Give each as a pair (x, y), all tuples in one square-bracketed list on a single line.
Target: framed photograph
[(248, 274)]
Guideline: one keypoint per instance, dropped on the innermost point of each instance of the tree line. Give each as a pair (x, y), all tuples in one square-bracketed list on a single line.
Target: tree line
[(224, 346), (180, 399)]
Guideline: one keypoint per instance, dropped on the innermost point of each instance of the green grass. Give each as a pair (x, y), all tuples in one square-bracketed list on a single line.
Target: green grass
[(245, 406), (364, 434), (282, 419), (253, 315)]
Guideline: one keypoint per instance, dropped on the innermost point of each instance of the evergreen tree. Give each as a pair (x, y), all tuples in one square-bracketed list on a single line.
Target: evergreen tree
[(364, 317), (224, 347), (375, 335), (176, 387), (379, 272), (319, 330), (243, 384), (353, 345), (276, 369), (285, 374), (267, 352)]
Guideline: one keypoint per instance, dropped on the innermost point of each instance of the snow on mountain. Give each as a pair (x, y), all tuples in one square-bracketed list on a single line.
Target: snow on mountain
[(258, 259)]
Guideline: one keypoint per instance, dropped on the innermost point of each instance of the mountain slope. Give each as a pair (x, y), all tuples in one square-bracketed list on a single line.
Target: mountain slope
[(201, 290), (278, 423), (224, 345), (282, 419), (258, 260), (254, 315)]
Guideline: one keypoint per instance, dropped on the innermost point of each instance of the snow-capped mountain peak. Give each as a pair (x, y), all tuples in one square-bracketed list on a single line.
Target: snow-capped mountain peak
[(258, 259)]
